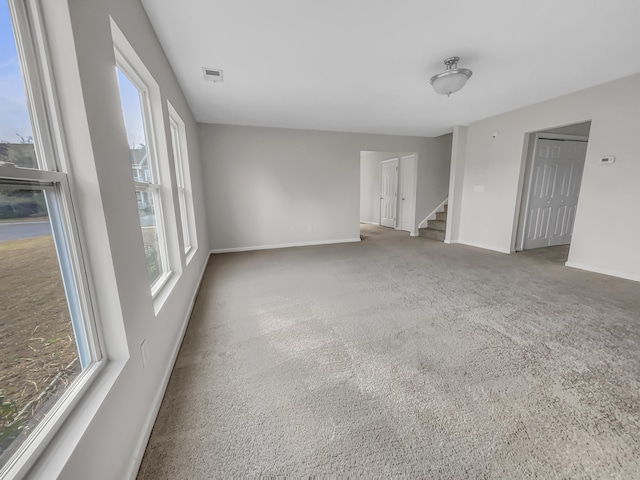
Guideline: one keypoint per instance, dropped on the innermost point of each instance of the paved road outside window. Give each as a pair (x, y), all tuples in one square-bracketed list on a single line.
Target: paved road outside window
[(19, 230)]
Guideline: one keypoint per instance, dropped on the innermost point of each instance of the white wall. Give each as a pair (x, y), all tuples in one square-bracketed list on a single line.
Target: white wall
[(606, 227), (261, 182), (456, 184), (369, 188), (105, 435)]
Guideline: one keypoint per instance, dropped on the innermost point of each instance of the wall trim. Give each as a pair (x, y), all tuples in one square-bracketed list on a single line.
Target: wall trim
[(145, 433), (284, 245), (603, 271), (485, 247), (369, 223)]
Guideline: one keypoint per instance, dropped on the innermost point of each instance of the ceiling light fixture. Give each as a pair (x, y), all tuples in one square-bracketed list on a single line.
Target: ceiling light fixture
[(452, 79)]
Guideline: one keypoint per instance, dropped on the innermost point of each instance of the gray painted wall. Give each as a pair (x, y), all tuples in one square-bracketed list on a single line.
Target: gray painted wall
[(262, 182), (494, 166)]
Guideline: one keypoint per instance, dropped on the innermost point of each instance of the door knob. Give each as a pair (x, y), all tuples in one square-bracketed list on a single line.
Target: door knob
[(403, 199)]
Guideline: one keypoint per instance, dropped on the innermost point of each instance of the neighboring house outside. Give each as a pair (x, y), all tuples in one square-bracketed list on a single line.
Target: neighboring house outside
[(142, 174)]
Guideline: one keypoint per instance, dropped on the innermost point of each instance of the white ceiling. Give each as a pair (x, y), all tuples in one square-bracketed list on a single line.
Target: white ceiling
[(364, 65)]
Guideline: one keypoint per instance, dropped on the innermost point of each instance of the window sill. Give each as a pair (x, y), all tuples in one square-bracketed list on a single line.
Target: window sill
[(51, 447), (159, 284), (162, 289), (190, 254)]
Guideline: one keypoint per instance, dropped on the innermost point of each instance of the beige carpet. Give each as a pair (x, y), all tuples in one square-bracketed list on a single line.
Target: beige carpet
[(403, 357)]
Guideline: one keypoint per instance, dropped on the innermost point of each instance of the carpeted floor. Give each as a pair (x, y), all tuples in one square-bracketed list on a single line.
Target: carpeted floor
[(401, 356)]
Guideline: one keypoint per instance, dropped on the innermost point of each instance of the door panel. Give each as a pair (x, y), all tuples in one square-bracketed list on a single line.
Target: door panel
[(540, 211), (389, 193), (553, 200)]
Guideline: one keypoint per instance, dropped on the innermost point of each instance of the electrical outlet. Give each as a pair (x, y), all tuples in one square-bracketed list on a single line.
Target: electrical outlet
[(144, 353), (309, 228), (293, 229)]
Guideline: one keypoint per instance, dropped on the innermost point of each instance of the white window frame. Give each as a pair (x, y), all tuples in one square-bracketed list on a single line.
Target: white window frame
[(143, 81), (52, 178), (183, 182)]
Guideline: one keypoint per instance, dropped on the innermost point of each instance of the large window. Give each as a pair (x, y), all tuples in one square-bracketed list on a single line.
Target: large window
[(136, 109), (183, 181), (48, 338)]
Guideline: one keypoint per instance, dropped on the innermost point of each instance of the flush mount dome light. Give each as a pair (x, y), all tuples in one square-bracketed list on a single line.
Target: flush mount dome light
[(452, 79)]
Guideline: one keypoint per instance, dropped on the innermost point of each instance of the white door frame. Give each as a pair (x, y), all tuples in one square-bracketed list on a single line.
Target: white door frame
[(521, 214), (401, 189)]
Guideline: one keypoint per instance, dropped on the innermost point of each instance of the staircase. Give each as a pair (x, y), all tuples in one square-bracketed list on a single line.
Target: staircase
[(436, 228)]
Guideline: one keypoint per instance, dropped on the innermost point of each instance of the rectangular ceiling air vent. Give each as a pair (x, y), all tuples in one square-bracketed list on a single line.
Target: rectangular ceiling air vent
[(212, 74)]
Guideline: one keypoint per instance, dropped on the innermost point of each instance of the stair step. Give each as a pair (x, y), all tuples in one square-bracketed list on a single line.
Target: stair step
[(437, 225), (432, 234), (446, 207), (441, 216)]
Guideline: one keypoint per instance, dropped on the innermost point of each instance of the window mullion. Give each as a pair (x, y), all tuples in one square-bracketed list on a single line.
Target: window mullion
[(147, 186), (30, 175)]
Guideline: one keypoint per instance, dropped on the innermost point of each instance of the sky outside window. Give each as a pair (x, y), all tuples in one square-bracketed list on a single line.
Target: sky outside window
[(132, 110), (14, 116)]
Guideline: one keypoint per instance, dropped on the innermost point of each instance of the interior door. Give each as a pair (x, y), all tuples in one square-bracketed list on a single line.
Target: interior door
[(408, 189), (389, 193), (553, 196), (570, 178)]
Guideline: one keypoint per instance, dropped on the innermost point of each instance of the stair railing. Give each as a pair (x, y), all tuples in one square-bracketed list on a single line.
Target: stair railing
[(432, 215)]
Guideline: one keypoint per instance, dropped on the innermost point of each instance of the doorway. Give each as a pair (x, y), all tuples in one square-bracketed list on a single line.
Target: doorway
[(388, 189), (553, 175)]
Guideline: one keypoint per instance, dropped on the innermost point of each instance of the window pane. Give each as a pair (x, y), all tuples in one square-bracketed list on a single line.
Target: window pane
[(39, 354), (16, 132), (148, 222), (179, 164), (133, 102), (134, 124)]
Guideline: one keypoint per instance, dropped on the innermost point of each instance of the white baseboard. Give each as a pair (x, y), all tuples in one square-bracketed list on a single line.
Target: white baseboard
[(369, 223), (486, 247), (283, 245), (604, 271), (145, 434)]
